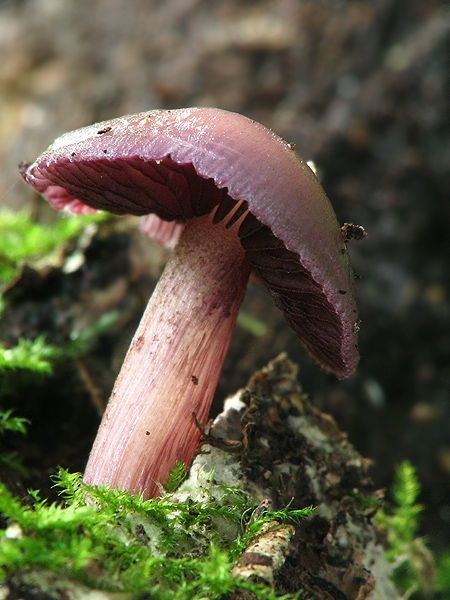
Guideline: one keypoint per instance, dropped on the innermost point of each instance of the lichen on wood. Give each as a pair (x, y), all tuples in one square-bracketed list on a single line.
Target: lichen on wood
[(275, 444)]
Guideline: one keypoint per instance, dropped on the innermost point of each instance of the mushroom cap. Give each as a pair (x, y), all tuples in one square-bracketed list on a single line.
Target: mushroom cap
[(182, 163)]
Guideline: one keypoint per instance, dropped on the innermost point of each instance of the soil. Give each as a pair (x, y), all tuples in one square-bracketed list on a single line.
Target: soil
[(362, 90)]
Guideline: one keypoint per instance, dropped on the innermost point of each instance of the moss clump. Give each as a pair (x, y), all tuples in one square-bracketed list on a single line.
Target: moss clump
[(108, 540)]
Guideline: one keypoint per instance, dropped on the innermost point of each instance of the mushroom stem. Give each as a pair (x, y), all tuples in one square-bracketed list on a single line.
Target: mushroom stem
[(174, 361)]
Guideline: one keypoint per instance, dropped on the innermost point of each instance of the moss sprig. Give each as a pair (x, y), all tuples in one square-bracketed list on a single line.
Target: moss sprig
[(11, 423), (413, 563), (33, 355)]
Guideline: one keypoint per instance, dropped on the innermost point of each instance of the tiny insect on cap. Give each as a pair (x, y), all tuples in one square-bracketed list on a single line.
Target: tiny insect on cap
[(181, 164)]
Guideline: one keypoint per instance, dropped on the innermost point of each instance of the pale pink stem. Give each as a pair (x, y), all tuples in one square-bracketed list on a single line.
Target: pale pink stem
[(174, 361)]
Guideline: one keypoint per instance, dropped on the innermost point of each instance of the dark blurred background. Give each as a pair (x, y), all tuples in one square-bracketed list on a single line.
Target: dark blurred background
[(361, 88)]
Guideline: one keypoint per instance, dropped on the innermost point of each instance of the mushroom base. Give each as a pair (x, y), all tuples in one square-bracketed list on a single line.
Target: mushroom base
[(173, 364)]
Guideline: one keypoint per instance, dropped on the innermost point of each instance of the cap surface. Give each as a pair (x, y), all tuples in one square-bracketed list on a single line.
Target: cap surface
[(182, 163)]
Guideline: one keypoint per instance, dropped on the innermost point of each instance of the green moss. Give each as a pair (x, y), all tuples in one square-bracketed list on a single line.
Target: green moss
[(33, 355), (23, 240), (109, 540), (251, 324), (29, 362), (8, 422), (414, 569), (176, 478), (443, 575)]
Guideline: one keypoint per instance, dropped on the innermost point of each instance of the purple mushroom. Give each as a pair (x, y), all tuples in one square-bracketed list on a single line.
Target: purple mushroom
[(235, 197)]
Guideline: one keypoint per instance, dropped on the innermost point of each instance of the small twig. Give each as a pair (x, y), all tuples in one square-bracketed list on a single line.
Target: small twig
[(91, 387), (222, 443)]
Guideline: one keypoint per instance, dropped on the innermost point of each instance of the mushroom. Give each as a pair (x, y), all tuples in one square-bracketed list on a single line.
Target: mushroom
[(237, 197)]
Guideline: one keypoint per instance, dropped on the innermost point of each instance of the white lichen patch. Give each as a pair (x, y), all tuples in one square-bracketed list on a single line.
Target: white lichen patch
[(53, 585), (213, 473), (375, 560), (312, 433), (266, 554), (211, 469), (146, 531), (14, 532)]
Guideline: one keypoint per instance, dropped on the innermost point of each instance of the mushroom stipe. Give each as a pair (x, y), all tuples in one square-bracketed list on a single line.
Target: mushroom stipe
[(230, 196)]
